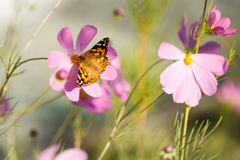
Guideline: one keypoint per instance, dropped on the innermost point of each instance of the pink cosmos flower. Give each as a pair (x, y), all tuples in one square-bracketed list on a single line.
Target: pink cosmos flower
[(64, 62), (217, 26), (68, 154), (186, 36), (229, 93), (191, 75), (96, 105), (119, 85)]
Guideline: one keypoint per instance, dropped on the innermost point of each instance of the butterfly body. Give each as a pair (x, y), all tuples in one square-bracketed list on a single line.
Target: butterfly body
[(93, 63)]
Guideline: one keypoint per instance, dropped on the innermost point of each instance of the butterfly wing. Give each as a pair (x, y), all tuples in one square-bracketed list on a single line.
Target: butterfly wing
[(94, 63)]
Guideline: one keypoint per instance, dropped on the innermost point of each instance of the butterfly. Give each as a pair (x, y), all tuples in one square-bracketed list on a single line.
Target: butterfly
[(93, 63)]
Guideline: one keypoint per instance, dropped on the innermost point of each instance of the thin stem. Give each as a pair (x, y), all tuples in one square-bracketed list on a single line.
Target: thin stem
[(32, 59), (234, 58), (77, 128), (62, 128), (185, 128), (40, 26), (26, 111), (209, 8), (112, 28), (123, 108), (201, 29)]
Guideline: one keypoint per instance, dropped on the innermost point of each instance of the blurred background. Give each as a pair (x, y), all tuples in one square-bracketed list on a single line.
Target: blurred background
[(136, 42)]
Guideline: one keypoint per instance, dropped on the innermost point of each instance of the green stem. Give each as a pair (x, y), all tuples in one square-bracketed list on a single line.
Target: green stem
[(185, 129), (32, 59), (202, 26)]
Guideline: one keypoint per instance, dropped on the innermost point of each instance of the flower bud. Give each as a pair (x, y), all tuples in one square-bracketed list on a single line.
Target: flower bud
[(61, 74), (169, 148), (33, 133), (119, 12)]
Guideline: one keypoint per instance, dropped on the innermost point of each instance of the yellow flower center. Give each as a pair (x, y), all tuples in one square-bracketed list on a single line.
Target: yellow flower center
[(212, 27), (75, 59), (188, 60), (83, 95)]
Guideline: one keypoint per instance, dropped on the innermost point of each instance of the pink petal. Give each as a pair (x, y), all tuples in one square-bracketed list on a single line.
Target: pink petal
[(65, 40), (172, 77), (112, 54), (229, 32), (58, 85), (93, 90), (168, 51), (85, 36), (181, 94), (210, 48), (56, 59), (72, 154), (211, 19), (182, 33), (218, 17), (218, 30), (116, 63), (71, 82), (206, 80), (224, 23), (48, 153), (73, 95), (213, 63), (194, 92), (109, 74)]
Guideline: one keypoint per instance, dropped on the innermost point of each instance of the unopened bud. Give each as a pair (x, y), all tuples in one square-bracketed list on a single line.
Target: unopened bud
[(61, 74), (169, 148), (119, 12), (33, 133)]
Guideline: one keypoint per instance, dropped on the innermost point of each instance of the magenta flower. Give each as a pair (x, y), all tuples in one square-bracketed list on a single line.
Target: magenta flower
[(67, 62), (229, 94), (191, 75), (186, 36), (68, 154), (4, 106), (217, 26), (119, 85), (96, 105)]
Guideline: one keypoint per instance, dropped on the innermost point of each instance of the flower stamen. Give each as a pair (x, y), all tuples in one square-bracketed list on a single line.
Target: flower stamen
[(188, 60), (75, 59)]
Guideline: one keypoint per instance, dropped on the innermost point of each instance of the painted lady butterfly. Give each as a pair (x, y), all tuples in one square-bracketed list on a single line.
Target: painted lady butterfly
[(93, 63)]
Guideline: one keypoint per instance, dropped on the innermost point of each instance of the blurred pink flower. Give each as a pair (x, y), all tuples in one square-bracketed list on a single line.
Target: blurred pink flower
[(186, 36), (229, 93), (190, 75), (119, 85), (96, 105), (217, 26), (68, 154), (4, 106), (64, 62), (119, 12)]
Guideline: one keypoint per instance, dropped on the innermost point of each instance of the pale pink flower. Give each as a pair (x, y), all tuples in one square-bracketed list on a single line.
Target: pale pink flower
[(186, 36), (68, 154), (217, 25), (119, 85), (63, 62), (229, 93), (191, 75), (96, 105)]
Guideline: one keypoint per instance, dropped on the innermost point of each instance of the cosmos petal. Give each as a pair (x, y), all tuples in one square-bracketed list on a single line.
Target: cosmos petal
[(224, 23), (71, 82), (210, 48), (168, 51), (213, 63), (206, 80), (218, 30), (65, 40), (182, 33), (172, 77), (73, 95), (194, 92), (211, 19), (56, 59), (93, 90), (58, 85), (109, 74), (48, 153), (72, 154), (112, 54), (229, 32), (85, 36), (181, 94), (116, 63)]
